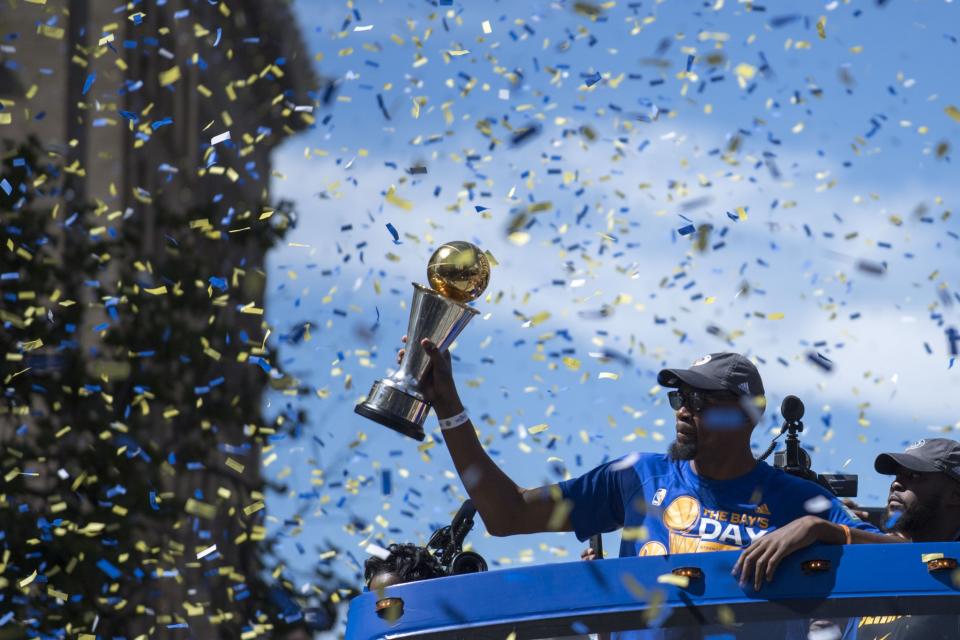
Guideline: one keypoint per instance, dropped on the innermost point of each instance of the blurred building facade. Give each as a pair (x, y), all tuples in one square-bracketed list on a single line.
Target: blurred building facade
[(170, 107)]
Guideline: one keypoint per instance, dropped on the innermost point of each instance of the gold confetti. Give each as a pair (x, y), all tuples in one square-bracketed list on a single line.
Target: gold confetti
[(634, 587), (539, 318), (822, 27), (519, 238), (953, 112), (745, 71), (253, 508), (169, 76), (677, 581), (397, 201)]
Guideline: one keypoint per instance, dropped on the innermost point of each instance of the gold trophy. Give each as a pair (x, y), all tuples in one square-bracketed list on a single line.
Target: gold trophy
[(458, 273)]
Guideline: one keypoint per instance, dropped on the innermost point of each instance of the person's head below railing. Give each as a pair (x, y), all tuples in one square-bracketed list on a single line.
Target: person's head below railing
[(399, 564)]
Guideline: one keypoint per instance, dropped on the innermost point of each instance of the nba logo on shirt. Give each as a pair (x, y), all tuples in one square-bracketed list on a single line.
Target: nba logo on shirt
[(659, 496)]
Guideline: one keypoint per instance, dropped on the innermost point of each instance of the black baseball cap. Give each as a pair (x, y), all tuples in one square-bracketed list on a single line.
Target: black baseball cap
[(934, 455), (717, 372)]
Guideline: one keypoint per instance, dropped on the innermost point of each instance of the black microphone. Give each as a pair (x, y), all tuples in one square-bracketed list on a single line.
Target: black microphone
[(792, 409)]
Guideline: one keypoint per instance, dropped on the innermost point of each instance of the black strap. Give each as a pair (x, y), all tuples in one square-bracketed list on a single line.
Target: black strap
[(596, 543)]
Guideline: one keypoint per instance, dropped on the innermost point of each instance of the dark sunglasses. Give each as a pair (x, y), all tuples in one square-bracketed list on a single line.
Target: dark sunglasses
[(695, 400)]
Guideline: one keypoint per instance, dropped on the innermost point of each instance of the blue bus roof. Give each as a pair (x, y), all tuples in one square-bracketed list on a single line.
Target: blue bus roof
[(576, 597)]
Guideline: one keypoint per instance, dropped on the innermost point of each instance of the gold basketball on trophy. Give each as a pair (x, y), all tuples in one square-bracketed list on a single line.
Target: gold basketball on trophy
[(459, 270)]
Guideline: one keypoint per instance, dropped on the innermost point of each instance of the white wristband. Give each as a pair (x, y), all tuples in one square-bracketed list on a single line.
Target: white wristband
[(454, 421)]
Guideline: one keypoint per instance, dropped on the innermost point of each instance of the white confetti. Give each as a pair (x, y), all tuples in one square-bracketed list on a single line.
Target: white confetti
[(215, 140), (817, 504), (827, 633), (206, 552), (628, 461), (377, 550)]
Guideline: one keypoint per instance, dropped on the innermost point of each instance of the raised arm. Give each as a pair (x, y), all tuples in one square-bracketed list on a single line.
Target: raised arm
[(505, 507)]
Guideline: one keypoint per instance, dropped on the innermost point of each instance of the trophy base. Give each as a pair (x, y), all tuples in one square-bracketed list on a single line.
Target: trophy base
[(396, 409)]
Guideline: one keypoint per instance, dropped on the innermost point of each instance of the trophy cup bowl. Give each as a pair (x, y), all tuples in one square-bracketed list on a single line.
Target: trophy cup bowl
[(458, 273)]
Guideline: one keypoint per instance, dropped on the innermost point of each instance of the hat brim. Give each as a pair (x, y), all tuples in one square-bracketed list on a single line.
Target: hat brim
[(890, 463), (674, 377)]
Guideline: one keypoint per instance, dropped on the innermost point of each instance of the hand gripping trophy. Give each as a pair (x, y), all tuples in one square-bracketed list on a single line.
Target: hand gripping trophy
[(458, 273)]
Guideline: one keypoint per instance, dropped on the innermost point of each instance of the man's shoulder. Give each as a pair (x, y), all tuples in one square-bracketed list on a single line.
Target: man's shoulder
[(649, 464), (795, 484)]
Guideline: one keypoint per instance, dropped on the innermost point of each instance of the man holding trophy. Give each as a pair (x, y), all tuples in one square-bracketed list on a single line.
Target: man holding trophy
[(708, 493)]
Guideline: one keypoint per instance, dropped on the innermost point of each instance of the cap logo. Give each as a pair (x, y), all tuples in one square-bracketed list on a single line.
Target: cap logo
[(745, 387), (703, 360), (916, 445)]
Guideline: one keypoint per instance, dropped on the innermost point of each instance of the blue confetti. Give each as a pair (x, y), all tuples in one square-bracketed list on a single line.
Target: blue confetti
[(161, 123), (953, 340), (112, 572), (7, 188), (820, 360), (592, 79), (687, 230), (386, 482), (89, 82), (393, 231), (579, 627)]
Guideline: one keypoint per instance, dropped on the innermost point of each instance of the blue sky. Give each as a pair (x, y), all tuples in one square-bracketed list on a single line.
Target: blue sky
[(814, 159)]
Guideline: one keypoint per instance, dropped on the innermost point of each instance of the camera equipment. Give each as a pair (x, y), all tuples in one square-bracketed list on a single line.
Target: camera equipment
[(447, 543), (796, 461)]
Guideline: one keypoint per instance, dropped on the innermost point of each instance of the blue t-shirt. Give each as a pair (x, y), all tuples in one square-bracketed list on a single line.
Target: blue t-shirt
[(681, 512), (686, 513)]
